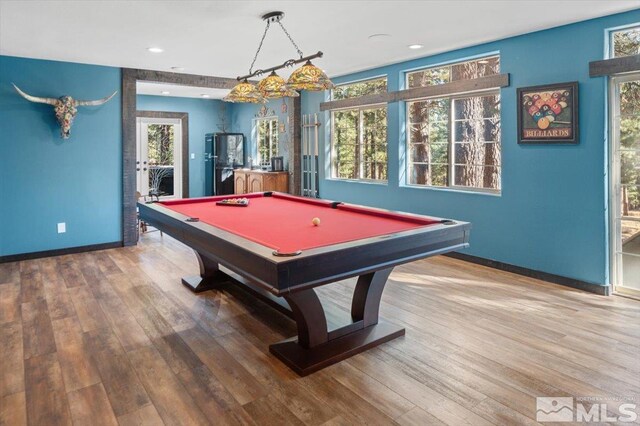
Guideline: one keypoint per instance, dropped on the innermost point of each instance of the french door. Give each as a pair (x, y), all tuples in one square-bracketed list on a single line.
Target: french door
[(159, 157), (624, 176)]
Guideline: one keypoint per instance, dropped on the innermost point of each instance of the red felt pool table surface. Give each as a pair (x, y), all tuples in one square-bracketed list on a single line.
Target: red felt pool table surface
[(283, 222)]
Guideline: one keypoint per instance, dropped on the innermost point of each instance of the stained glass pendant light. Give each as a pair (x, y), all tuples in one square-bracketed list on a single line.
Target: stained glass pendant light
[(307, 77), (245, 92), (274, 87)]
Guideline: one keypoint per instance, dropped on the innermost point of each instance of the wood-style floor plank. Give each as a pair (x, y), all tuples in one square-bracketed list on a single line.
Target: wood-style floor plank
[(46, 399), (90, 407), (10, 302), (11, 358), (13, 410), (112, 337), (125, 391), (170, 398), (145, 416), (77, 365)]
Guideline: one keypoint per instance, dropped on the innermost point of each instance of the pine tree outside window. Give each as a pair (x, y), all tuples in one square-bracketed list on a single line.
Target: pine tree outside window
[(454, 141), (359, 135)]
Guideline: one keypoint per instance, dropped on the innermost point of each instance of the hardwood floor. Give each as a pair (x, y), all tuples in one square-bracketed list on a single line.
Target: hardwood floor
[(112, 337)]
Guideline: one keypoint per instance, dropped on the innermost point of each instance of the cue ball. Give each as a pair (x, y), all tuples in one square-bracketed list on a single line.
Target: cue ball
[(315, 221)]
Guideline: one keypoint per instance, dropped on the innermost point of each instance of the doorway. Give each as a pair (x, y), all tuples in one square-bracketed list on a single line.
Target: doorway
[(159, 157), (624, 188)]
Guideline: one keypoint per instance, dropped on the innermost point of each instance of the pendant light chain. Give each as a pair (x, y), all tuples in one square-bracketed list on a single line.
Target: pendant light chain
[(307, 77), (290, 39), (259, 47)]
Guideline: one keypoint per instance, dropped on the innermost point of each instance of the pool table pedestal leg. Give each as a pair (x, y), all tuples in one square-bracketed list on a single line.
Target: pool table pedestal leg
[(316, 346), (210, 275)]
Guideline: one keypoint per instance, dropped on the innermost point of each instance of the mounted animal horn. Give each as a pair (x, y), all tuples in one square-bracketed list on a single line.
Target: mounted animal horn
[(65, 108), (96, 102), (50, 101)]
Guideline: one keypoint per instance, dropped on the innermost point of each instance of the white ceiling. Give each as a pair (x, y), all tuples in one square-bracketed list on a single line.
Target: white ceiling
[(157, 89), (220, 37)]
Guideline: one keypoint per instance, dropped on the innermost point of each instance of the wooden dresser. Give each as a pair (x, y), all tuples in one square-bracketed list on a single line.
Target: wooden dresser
[(246, 181)]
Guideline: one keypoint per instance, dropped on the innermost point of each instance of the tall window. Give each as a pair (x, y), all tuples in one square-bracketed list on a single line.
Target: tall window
[(454, 141), (267, 139), (359, 135), (625, 42)]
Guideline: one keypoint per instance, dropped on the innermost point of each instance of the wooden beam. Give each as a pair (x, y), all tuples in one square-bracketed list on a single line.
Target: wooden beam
[(378, 98), (453, 88), (184, 79), (130, 77), (614, 66)]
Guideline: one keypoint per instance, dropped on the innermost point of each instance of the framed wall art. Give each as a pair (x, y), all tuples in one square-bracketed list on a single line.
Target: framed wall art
[(548, 114)]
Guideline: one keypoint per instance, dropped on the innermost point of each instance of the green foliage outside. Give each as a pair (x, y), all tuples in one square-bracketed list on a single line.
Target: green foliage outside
[(627, 43), (267, 139), (360, 135)]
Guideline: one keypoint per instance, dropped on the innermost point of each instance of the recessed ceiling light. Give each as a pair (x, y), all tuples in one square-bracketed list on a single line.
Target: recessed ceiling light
[(380, 36), (415, 46), (204, 95), (177, 68), (164, 92), (483, 61), (155, 50)]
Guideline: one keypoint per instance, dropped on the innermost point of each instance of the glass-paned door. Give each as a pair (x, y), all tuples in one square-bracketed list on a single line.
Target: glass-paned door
[(159, 158), (625, 183)]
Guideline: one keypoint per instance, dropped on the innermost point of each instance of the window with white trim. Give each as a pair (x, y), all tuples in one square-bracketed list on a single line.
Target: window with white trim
[(267, 139), (359, 135), (454, 141), (625, 42)]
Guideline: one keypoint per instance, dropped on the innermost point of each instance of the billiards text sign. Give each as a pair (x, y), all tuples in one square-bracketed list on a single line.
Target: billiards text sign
[(548, 114)]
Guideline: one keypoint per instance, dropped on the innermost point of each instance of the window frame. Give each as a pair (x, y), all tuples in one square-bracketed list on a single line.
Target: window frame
[(610, 51), (449, 65), (451, 144), (257, 125), (334, 165), (362, 80)]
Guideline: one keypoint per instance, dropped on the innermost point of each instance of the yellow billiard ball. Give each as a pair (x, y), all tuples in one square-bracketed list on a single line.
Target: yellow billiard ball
[(315, 221)]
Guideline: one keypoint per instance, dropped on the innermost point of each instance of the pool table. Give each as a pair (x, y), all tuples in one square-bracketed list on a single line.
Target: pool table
[(272, 248)]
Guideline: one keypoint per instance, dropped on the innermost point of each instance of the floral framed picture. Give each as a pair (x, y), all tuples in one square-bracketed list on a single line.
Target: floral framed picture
[(548, 114)]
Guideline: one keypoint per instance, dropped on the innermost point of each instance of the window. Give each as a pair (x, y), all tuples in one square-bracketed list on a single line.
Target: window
[(625, 42), (477, 68), (360, 88), (359, 136), (454, 141), (267, 139)]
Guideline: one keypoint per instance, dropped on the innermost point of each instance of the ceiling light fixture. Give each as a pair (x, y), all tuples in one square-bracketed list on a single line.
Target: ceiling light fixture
[(155, 49), (164, 92), (204, 95), (307, 77), (379, 36), (415, 46)]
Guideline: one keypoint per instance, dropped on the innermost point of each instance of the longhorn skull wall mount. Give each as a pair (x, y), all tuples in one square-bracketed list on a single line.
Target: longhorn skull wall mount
[(65, 108)]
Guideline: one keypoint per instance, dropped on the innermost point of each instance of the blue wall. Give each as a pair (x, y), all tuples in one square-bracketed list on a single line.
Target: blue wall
[(551, 215), (242, 121), (45, 179), (205, 116)]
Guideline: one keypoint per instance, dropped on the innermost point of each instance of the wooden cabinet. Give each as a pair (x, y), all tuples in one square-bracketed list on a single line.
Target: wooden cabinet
[(247, 181)]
